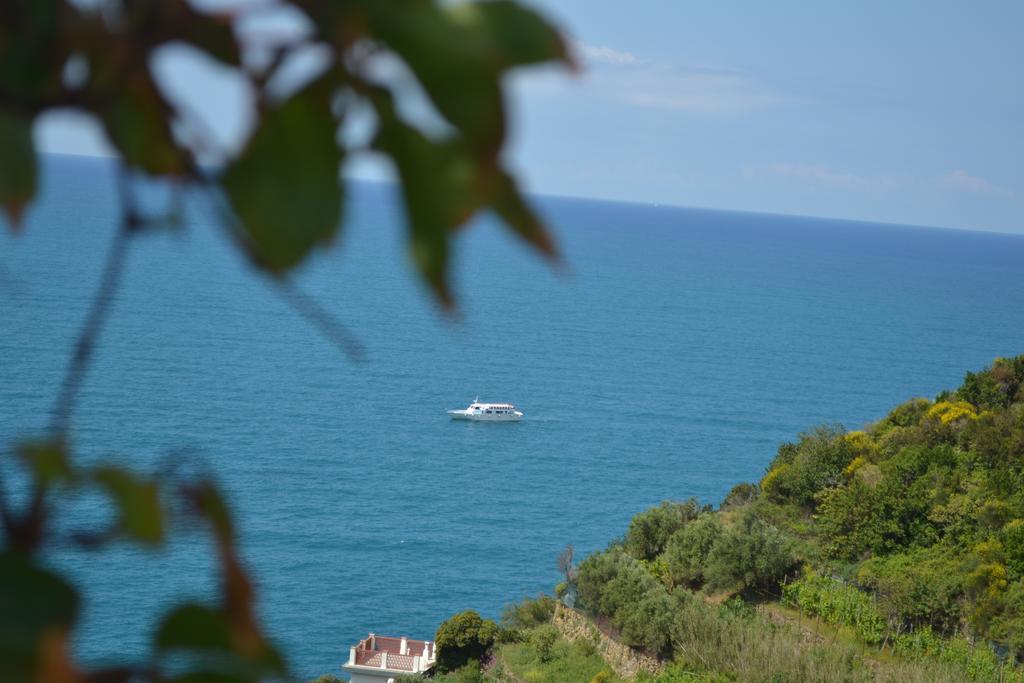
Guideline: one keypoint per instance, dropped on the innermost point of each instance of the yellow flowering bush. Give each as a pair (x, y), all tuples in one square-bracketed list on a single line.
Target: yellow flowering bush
[(948, 412), (855, 465), (862, 445), (770, 484)]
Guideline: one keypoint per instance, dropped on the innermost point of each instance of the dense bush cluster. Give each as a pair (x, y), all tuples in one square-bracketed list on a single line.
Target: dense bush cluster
[(650, 531), (924, 509), (637, 586), (844, 605)]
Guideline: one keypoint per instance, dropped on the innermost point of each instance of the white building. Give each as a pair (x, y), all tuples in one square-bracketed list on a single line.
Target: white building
[(379, 659)]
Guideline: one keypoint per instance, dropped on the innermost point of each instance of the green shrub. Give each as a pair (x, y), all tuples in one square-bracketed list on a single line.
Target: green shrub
[(686, 553), (737, 608), (997, 438), (856, 520), (749, 554), (462, 638), (897, 438), (837, 603), (658, 568), (1008, 625), (650, 530), (626, 590), (740, 495), (616, 585), (921, 588), (914, 461), (996, 386), (907, 414), (1013, 544), (611, 581), (976, 662), (528, 613), (815, 463), (648, 623), (543, 639)]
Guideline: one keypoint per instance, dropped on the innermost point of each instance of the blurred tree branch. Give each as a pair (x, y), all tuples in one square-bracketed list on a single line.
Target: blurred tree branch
[(282, 198)]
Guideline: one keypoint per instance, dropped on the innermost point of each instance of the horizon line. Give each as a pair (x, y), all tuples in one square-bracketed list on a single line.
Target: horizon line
[(654, 204)]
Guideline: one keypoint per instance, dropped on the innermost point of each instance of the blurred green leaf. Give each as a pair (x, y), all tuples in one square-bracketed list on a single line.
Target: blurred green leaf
[(211, 677), (209, 503), (17, 165), (31, 52), (514, 34), (193, 627), (48, 461), (213, 34), (285, 187), (443, 185), (238, 591), (459, 53), (177, 20), (286, 192), (114, 674), (452, 65), (37, 609), (138, 121), (138, 503), (509, 203), (440, 187)]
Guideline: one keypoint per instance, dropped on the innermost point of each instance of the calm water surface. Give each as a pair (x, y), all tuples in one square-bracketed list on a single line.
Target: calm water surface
[(677, 351)]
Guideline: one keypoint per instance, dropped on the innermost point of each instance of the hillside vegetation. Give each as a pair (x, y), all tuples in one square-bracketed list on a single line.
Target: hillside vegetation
[(908, 536)]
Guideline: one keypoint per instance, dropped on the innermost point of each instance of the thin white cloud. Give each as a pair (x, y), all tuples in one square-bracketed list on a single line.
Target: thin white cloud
[(623, 77), (692, 90), (962, 181), (817, 174), (602, 54), (958, 181)]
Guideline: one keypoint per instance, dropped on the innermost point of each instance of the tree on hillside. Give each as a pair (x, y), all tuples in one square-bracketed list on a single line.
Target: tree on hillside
[(464, 638), (649, 531), (278, 199)]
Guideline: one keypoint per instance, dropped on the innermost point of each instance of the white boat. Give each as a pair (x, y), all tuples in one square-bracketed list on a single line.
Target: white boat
[(487, 412)]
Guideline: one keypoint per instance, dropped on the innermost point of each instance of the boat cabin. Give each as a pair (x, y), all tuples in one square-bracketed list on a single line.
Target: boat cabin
[(494, 408)]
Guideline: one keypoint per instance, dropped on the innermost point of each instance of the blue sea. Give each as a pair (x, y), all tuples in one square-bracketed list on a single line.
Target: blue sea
[(669, 358)]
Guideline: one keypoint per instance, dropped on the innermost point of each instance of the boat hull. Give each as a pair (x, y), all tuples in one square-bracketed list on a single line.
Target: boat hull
[(484, 417)]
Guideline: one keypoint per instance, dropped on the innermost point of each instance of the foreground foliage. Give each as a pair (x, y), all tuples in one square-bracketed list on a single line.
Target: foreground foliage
[(278, 198)]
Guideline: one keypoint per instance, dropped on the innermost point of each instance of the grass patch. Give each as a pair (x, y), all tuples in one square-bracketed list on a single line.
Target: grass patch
[(538, 661)]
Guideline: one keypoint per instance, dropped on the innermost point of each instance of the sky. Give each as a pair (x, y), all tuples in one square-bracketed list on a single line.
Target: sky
[(898, 111)]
